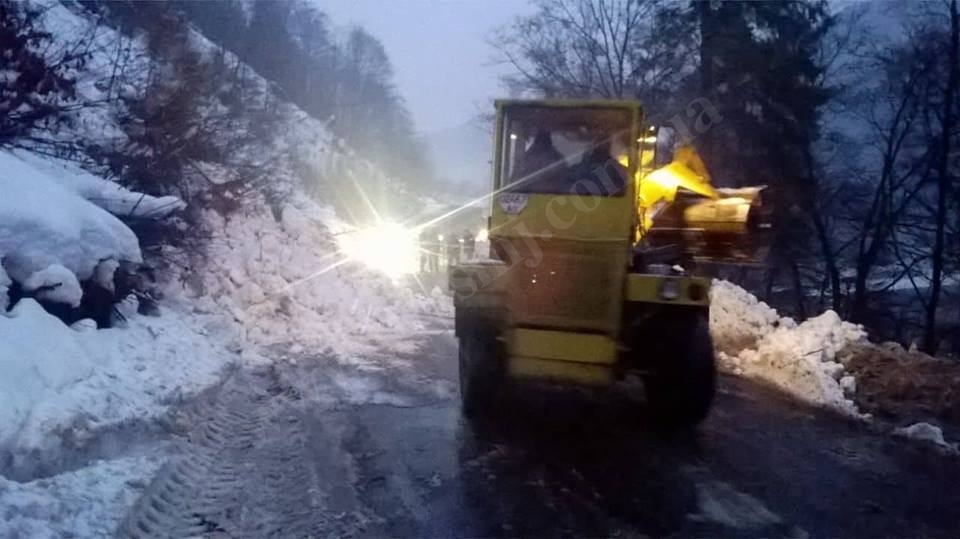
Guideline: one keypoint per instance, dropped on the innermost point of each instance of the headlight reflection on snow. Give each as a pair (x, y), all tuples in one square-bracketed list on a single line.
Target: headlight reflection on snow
[(388, 247)]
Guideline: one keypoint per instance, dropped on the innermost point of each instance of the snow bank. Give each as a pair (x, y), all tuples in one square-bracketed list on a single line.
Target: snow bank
[(43, 224), (60, 382), (40, 358), (89, 502), (752, 340)]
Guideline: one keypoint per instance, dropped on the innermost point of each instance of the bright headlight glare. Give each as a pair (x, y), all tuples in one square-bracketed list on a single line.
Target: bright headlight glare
[(388, 247)]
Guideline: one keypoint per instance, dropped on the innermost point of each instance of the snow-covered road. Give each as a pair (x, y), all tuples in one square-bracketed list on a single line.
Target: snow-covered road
[(302, 449)]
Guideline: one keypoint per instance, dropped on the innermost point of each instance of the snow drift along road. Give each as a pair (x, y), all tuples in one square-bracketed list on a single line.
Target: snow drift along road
[(753, 340)]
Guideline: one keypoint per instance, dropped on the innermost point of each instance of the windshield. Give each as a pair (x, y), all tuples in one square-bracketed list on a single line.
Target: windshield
[(566, 151)]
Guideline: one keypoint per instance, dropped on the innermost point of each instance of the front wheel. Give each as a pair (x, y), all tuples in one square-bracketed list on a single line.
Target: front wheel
[(480, 370), (682, 381)]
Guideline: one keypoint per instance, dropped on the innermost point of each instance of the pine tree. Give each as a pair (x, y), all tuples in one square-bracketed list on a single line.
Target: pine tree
[(759, 69)]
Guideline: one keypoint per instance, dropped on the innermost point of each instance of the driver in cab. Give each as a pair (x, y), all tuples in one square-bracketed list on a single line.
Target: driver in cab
[(544, 169)]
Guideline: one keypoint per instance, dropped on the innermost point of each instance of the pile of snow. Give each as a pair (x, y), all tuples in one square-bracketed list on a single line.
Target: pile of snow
[(59, 382), (47, 228), (89, 502), (738, 320), (752, 340), (928, 433), (286, 282)]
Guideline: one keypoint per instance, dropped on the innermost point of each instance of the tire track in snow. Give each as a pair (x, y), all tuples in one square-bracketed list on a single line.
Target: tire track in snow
[(244, 469)]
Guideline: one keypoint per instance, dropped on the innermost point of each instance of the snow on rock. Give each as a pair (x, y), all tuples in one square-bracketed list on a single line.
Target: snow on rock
[(106, 194), (55, 284), (124, 203), (927, 433), (752, 340), (43, 224), (88, 502), (104, 272), (60, 381), (85, 324)]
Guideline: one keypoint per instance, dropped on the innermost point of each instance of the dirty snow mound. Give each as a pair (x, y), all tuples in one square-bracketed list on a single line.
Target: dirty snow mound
[(738, 319), (752, 340)]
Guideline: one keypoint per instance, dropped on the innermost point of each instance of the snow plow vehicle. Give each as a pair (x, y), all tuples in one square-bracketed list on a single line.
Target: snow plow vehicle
[(594, 229)]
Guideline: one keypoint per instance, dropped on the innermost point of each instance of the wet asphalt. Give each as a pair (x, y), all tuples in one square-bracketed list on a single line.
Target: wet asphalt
[(559, 462)]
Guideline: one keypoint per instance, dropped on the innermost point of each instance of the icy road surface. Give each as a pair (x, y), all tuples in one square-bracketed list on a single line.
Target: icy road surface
[(380, 449)]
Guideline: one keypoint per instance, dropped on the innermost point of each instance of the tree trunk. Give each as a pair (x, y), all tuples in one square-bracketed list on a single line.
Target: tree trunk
[(798, 290), (826, 247), (707, 42), (943, 183)]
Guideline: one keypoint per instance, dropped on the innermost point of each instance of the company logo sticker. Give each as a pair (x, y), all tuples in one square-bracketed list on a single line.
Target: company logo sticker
[(513, 203)]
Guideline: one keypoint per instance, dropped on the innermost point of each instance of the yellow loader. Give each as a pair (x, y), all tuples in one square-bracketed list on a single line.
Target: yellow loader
[(595, 230)]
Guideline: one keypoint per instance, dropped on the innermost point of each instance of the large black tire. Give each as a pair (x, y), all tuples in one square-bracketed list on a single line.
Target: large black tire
[(682, 380), (481, 370)]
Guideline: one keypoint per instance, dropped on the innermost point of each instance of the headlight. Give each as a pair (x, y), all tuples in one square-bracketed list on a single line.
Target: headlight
[(388, 247)]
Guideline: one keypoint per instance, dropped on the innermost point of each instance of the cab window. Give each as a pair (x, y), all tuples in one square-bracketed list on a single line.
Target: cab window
[(566, 151)]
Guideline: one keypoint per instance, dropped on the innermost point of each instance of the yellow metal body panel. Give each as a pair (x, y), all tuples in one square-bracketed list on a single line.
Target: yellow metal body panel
[(563, 346), (647, 288), (566, 371), (566, 285), (567, 254)]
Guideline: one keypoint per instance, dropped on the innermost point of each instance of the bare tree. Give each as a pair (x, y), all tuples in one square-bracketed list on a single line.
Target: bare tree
[(943, 183), (598, 48)]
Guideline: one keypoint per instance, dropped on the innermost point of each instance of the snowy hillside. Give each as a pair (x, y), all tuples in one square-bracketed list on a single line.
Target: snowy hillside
[(260, 281)]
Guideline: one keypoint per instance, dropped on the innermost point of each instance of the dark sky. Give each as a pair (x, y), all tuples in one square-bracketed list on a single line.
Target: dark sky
[(443, 63)]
